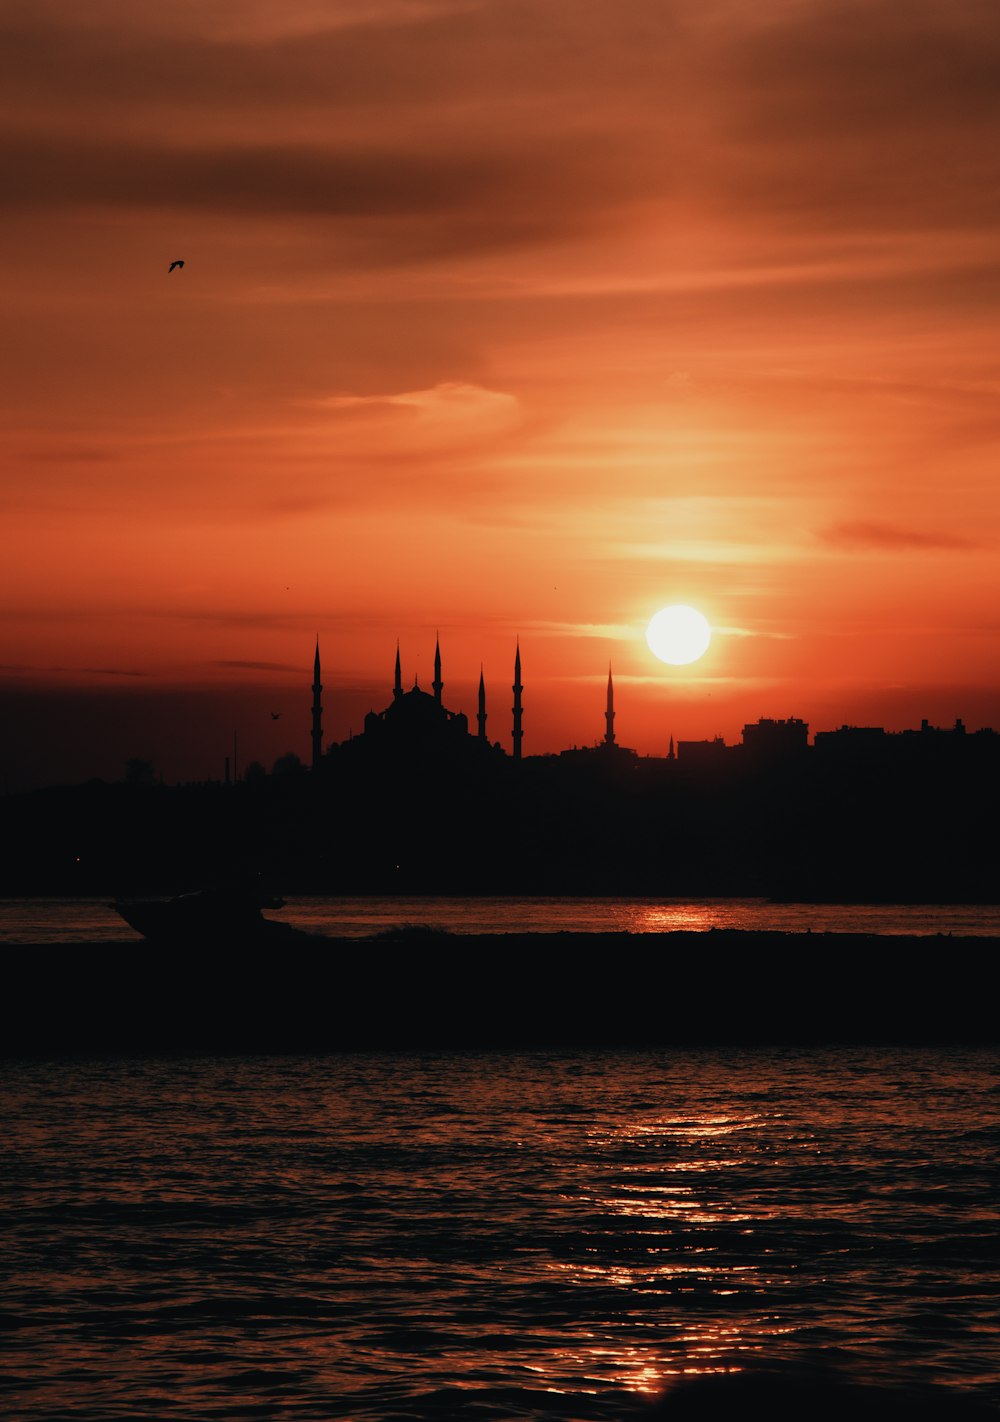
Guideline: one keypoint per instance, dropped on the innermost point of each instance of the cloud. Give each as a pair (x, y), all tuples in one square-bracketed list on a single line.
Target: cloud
[(754, 632), (73, 671), (243, 21), (601, 631), (69, 452), (864, 117), (481, 53), (452, 402), (295, 179), (865, 536), (439, 442), (108, 671), (432, 427), (258, 666), (494, 126), (394, 202), (482, 127), (854, 69)]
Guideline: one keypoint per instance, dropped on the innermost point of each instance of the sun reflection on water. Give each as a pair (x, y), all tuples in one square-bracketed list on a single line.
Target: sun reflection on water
[(666, 1186), (640, 1369), (677, 918)]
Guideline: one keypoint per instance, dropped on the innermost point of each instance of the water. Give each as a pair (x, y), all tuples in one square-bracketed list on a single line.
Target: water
[(474, 1236), (92, 920)]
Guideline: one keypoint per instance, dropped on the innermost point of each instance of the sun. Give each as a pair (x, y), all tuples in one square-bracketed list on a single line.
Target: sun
[(678, 635)]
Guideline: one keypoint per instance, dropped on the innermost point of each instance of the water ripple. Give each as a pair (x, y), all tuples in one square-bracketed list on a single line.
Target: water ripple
[(539, 1235)]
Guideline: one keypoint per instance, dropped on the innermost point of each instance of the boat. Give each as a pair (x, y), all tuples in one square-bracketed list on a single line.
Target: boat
[(222, 913)]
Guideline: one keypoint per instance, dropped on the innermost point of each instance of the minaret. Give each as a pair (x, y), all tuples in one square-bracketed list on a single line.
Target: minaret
[(317, 729), (517, 688), (671, 753), (481, 716), (609, 715), (397, 687), (437, 683)]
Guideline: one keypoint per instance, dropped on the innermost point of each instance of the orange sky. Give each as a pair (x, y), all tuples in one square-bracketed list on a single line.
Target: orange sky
[(505, 319)]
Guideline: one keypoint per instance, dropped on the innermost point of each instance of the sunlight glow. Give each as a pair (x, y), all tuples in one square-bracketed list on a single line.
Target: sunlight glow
[(678, 635)]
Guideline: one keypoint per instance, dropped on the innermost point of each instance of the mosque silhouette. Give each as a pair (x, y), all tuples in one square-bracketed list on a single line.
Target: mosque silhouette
[(418, 722)]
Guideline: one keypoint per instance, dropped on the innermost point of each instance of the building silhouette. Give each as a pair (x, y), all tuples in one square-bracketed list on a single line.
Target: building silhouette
[(416, 720), (416, 726), (609, 715), (317, 712), (606, 755), (517, 688), (702, 753), (767, 739)]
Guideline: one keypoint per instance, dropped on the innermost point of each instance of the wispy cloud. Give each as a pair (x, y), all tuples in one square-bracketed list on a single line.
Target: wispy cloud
[(72, 671), (258, 666), (873, 536), (602, 631), (766, 634), (449, 402)]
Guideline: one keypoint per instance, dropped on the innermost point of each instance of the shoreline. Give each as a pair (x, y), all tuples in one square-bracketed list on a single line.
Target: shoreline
[(424, 990)]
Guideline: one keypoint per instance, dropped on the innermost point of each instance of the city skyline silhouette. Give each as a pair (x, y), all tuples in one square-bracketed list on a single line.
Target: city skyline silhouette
[(191, 733), (424, 799)]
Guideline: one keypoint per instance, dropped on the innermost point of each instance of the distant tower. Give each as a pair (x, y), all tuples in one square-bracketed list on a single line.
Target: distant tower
[(317, 728), (517, 688), (609, 715), (437, 683), (397, 687), (481, 715), (671, 753)]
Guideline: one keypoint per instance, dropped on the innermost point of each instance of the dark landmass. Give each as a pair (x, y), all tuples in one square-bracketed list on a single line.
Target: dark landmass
[(416, 804), (790, 1393), (419, 989), (919, 825)]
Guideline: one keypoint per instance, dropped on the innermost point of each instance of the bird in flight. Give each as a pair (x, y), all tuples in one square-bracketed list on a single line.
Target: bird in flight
[(172, 265), (275, 715)]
